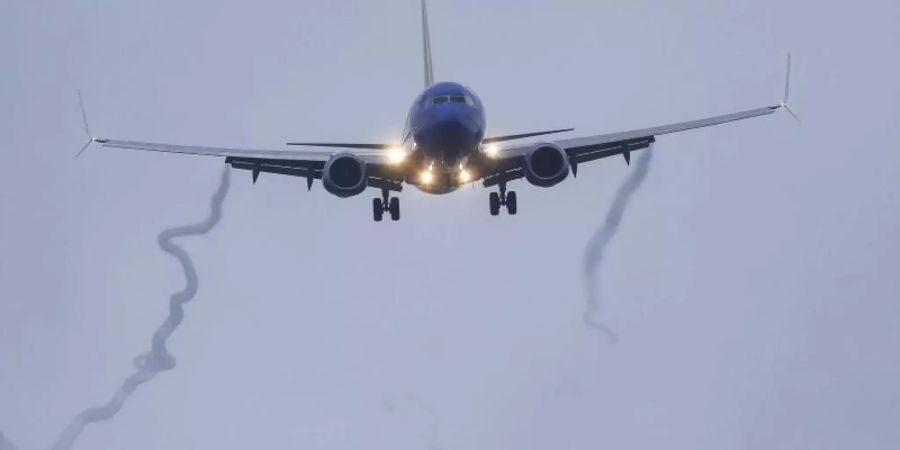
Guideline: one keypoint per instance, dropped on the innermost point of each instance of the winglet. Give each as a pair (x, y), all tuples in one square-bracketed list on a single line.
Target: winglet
[(87, 129), (787, 89)]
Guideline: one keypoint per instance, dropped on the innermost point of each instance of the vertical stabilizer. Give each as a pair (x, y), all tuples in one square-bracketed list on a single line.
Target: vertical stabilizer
[(426, 46)]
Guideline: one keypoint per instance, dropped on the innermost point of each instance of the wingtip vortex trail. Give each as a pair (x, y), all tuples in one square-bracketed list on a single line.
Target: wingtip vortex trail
[(158, 358), (596, 247)]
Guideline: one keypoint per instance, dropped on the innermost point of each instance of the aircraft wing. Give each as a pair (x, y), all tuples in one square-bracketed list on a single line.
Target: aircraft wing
[(508, 162), (299, 163), (281, 155)]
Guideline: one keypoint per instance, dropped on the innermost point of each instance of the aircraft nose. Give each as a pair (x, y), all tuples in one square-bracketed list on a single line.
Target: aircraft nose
[(450, 133)]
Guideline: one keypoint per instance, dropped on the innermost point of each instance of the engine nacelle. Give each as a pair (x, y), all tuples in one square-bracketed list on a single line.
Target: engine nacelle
[(344, 175), (546, 165)]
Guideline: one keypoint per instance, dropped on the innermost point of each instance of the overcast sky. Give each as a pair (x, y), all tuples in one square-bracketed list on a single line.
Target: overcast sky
[(753, 283)]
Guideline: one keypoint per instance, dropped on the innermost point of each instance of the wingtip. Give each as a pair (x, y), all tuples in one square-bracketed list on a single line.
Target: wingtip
[(87, 129), (786, 108), (787, 80), (787, 90), (83, 148), (84, 121)]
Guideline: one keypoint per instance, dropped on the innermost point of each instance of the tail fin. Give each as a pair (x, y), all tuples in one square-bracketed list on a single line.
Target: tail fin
[(426, 46)]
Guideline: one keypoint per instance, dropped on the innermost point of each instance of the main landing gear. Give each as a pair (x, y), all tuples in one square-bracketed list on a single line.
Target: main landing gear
[(502, 198), (385, 204)]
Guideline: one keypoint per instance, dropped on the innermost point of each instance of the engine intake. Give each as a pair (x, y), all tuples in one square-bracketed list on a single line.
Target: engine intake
[(344, 175), (546, 165)]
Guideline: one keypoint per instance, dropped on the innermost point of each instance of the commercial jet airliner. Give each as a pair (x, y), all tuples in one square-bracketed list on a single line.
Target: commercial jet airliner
[(443, 147)]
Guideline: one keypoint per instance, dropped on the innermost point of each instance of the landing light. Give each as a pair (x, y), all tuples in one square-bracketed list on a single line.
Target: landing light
[(492, 150), (465, 176), (396, 155), (426, 177)]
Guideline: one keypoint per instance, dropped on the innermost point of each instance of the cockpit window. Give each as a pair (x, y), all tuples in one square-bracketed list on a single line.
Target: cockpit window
[(462, 99)]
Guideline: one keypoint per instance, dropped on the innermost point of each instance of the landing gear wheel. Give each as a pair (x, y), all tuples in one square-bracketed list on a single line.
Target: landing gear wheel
[(495, 203), (512, 206), (395, 209), (377, 209)]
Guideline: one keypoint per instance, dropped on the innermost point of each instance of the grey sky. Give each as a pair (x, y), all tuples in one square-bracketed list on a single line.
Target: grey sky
[(753, 282)]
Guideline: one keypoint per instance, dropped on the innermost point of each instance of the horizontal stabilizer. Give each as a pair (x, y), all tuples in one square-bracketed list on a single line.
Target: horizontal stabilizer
[(511, 137)]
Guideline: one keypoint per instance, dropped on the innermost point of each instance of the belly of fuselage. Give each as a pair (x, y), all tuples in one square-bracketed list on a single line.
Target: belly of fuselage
[(441, 181), (436, 190)]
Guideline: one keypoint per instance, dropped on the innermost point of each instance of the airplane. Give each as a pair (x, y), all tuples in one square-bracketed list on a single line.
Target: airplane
[(443, 148)]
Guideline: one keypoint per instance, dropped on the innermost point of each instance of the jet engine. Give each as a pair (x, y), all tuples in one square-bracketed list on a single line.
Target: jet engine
[(344, 175), (546, 165)]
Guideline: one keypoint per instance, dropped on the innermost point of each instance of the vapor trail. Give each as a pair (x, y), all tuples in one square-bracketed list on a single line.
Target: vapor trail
[(158, 359), (597, 245)]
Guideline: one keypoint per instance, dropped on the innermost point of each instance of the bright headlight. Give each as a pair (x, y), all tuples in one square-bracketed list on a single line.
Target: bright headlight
[(465, 176), (396, 155), (492, 150), (426, 177)]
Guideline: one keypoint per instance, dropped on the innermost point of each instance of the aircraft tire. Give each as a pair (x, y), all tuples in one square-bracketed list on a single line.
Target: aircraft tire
[(512, 206), (377, 209), (395, 209), (494, 203)]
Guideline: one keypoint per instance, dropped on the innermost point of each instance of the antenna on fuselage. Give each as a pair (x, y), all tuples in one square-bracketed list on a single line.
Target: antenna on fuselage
[(426, 46)]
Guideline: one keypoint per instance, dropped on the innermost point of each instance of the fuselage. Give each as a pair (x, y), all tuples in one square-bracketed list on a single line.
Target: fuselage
[(444, 129)]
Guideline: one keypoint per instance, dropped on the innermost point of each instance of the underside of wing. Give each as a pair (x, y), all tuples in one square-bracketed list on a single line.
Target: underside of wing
[(379, 176)]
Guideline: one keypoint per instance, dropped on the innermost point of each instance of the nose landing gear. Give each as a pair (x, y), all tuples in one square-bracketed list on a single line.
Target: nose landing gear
[(385, 204), (502, 198)]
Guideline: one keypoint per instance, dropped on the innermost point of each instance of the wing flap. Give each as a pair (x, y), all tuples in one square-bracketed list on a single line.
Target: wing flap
[(378, 178), (591, 153)]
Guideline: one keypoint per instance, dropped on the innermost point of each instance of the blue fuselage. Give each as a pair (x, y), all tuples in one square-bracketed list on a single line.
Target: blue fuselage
[(444, 129)]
